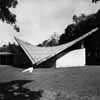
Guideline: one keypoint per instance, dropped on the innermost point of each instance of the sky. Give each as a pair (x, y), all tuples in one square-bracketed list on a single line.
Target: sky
[(38, 19)]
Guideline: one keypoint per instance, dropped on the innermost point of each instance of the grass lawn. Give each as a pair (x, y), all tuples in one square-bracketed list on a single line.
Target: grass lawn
[(81, 83)]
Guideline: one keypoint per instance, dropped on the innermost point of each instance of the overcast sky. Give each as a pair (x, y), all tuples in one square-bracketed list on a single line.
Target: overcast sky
[(40, 18)]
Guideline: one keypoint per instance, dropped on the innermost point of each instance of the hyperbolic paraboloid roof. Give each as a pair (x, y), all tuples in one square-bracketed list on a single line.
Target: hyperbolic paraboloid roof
[(40, 54)]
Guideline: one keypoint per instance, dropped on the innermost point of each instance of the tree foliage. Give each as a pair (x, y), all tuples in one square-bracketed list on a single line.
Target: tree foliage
[(5, 13), (52, 41), (81, 25), (94, 1)]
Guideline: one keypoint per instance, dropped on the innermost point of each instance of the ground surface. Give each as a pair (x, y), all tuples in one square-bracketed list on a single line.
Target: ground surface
[(76, 83)]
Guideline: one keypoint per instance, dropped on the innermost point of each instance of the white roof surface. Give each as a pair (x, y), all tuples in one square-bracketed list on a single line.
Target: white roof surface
[(40, 54)]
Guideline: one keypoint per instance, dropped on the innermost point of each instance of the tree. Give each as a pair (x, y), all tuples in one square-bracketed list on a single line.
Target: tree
[(52, 41), (5, 13), (94, 1), (77, 19)]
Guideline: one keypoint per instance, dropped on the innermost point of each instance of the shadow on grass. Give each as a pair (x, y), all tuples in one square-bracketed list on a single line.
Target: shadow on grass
[(14, 90)]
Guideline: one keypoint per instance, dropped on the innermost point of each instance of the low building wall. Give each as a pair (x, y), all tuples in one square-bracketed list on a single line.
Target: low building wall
[(73, 58)]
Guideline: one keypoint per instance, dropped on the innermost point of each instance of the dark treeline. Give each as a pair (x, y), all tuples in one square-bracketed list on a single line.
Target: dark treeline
[(81, 25), (20, 59)]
